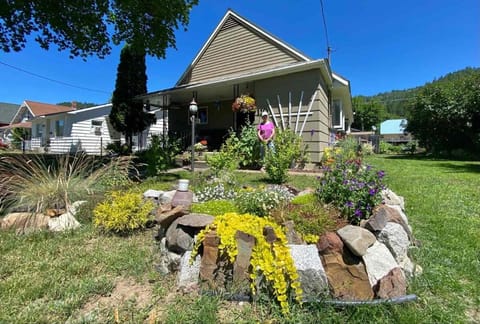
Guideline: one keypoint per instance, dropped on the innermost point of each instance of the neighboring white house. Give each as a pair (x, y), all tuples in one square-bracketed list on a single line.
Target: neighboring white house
[(86, 130)]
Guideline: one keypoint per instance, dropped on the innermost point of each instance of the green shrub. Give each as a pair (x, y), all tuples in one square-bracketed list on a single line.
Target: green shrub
[(214, 207), (367, 149), (388, 148), (248, 147), (226, 159), (310, 218), (304, 199), (344, 150), (160, 155), (122, 212), (118, 148), (288, 150), (410, 147)]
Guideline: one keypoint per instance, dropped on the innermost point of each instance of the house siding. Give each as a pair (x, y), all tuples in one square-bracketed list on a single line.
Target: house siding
[(234, 50), (316, 132), (87, 139)]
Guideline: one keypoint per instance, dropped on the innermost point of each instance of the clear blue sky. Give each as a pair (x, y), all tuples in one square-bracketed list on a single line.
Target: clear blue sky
[(378, 45)]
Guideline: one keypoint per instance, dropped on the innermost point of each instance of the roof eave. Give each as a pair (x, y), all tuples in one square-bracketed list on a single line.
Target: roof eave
[(279, 71)]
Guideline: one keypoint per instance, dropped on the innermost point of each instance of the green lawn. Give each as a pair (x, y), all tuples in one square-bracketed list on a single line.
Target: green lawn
[(76, 277)]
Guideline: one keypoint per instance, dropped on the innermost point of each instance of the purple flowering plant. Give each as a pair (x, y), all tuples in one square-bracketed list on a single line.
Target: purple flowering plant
[(353, 188)]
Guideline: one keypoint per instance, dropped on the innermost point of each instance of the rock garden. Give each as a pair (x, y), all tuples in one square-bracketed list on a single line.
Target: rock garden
[(344, 241)]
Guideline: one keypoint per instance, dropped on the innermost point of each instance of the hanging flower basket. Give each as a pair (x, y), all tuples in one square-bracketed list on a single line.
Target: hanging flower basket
[(244, 104)]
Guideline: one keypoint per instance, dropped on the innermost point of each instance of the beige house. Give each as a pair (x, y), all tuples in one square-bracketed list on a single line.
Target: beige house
[(238, 58)]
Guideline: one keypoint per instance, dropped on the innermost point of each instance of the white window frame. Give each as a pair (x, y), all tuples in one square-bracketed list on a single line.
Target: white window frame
[(341, 117), (57, 127)]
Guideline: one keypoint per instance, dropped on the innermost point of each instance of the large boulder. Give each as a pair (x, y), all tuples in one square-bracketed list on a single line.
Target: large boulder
[(391, 198), (168, 261), (63, 222), (187, 277), (347, 277), (329, 243), (196, 220), (24, 223), (391, 285), (378, 262), (312, 275), (179, 238), (357, 239), (166, 216), (394, 237)]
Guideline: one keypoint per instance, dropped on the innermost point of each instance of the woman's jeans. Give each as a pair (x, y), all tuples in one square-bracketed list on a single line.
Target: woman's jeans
[(269, 146)]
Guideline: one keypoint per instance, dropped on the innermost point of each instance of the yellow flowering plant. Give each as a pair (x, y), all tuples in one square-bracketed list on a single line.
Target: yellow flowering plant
[(244, 103), (271, 261)]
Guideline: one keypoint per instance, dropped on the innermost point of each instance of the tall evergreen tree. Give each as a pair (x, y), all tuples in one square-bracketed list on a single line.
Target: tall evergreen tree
[(127, 114)]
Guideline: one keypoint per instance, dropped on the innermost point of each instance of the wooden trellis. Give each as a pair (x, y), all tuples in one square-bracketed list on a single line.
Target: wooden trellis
[(289, 117)]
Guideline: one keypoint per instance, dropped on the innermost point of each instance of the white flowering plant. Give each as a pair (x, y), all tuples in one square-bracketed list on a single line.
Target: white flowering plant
[(261, 201)]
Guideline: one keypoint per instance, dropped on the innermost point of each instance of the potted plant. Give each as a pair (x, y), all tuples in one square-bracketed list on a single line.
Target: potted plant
[(244, 103)]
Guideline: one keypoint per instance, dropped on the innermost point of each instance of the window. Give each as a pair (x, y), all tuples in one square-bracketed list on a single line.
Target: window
[(337, 114), (59, 126), (202, 116), (97, 127), (39, 128)]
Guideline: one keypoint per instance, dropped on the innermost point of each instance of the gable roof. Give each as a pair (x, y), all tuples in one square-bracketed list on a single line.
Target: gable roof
[(238, 46), (7, 112), (39, 108), (393, 126)]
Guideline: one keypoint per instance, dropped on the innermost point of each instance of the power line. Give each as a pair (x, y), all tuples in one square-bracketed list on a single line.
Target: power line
[(53, 80), (329, 49)]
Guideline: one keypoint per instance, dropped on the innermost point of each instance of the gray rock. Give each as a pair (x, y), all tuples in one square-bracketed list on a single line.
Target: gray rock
[(312, 275), (292, 236), (395, 239), (166, 217), (408, 267), (24, 223), (396, 215), (378, 262), (376, 222), (306, 191), (154, 194), (392, 285), (63, 222), (196, 220), (245, 244), (391, 198), (73, 208), (167, 197), (168, 261), (178, 239), (356, 238), (187, 277)]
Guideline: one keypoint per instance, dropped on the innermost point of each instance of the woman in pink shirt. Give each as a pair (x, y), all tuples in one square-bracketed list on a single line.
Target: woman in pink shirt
[(265, 133)]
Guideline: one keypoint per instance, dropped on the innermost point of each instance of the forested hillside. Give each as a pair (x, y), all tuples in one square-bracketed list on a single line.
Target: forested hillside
[(396, 102)]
